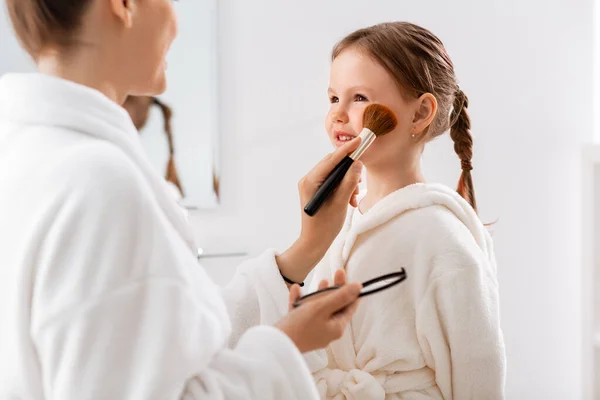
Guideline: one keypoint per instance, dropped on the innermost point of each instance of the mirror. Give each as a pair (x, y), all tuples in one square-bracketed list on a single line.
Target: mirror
[(180, 128), (188, 108)]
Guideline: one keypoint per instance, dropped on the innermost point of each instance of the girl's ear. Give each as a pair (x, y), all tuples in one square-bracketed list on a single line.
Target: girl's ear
[(424, 113)]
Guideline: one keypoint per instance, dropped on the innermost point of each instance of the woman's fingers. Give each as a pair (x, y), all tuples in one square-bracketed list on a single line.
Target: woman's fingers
[(294, 294), (339, 279), (324, 284)]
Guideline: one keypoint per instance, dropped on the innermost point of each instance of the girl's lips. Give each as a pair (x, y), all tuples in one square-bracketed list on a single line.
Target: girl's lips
[(342, 137)]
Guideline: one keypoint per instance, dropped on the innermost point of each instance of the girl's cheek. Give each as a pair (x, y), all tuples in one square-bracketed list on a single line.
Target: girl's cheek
[(356, 119)]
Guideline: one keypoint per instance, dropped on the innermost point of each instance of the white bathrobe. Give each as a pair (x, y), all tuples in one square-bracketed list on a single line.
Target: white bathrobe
[(101, 295), (437, 334)]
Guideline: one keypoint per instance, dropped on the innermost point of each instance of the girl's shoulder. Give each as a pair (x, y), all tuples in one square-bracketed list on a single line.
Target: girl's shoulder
[(440, 234)]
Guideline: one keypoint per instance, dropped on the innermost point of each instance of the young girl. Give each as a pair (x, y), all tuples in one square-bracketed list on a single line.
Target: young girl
[(437, 335)]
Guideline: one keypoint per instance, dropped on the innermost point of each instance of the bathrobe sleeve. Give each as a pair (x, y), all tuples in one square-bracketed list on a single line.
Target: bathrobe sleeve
[(256, 295), (458, 325), (121, 310)]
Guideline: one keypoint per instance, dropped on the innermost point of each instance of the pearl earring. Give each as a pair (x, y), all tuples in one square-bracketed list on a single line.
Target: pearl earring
[(413, 135)]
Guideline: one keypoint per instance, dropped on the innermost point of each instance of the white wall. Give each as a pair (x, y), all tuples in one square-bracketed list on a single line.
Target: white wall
[(527, 68), (12, 57)]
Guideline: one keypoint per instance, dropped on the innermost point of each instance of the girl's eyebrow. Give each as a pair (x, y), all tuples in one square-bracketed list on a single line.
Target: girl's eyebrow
[(353, 88)]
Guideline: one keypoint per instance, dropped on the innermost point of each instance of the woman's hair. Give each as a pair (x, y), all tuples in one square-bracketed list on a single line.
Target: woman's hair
[(419, 63), (38, 23), (138, 108)]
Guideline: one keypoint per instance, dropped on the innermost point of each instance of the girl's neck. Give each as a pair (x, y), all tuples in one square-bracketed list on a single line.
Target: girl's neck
[(385, 180)]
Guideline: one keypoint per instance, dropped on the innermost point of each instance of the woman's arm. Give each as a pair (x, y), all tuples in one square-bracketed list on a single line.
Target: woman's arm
[(121, 310), (258, 294)]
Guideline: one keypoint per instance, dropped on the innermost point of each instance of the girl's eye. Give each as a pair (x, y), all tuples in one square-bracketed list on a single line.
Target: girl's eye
[(334, 99), (360, 97)]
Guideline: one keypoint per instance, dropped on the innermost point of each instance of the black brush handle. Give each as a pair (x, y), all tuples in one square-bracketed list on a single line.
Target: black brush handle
[(328, 187)]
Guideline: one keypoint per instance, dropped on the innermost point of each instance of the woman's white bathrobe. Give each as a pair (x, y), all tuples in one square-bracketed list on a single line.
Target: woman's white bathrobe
[(437, 334), (101, 295)]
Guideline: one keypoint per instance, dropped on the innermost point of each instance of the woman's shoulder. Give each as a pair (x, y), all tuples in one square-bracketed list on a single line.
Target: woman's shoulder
[(57, 148), (66, 164)]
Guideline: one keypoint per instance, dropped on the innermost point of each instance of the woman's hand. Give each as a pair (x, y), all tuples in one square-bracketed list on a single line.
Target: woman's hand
[(319, 231), (318, 322), (339, 279)]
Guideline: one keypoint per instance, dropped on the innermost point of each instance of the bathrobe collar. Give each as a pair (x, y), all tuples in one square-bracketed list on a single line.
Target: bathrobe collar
[(42, 100)]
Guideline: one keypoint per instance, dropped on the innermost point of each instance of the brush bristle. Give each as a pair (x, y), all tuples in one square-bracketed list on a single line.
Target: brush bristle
[(379, 119)]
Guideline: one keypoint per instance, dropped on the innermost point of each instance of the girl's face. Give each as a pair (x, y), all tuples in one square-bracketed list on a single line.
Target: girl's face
[(356, 81)]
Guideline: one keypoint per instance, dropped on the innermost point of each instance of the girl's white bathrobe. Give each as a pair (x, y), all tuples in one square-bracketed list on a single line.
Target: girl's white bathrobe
[(101, 295), (437, 334)]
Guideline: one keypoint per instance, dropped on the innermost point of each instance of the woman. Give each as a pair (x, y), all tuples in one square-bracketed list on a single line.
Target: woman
[(100, 293)]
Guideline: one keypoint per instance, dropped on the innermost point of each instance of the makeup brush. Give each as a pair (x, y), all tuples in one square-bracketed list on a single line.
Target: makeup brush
[(377, 121)]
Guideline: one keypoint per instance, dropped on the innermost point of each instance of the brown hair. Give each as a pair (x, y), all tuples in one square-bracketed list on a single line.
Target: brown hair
[(138, 108), (38, 23), (418, 61)]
